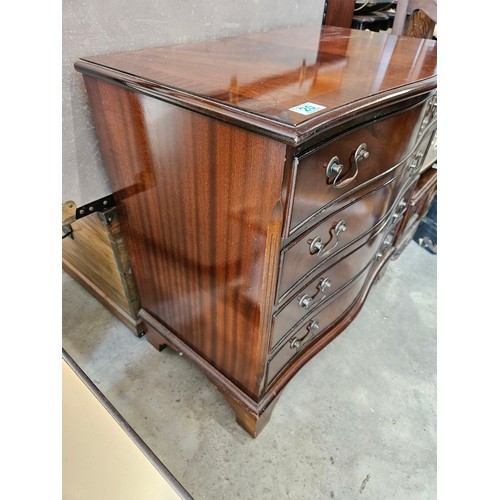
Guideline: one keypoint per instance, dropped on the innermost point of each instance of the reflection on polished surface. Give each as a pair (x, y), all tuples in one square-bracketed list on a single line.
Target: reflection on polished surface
[(263, 161), (269, 73), (360, 219)]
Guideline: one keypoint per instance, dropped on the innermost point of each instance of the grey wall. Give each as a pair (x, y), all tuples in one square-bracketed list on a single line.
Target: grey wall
[(97, 26)]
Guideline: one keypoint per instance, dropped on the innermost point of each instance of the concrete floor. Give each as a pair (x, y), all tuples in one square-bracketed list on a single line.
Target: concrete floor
[(358, 421)]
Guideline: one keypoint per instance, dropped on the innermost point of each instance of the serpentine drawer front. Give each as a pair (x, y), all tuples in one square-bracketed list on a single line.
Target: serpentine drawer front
[(262, 183), (328, 176), (334, 278), (344, 228), (314, 326)]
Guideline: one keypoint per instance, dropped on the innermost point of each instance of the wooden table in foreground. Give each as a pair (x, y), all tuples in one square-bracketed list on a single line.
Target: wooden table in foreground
[(263, 182)]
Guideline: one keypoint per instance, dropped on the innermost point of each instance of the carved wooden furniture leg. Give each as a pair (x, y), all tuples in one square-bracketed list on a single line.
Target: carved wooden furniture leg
[(253, 422)]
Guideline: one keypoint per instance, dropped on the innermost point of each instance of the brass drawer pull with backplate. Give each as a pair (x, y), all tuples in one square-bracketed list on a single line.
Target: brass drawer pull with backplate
[(400, 211), (334, 167), (307, 301), (295, 342), (416, 160), (317, 247)]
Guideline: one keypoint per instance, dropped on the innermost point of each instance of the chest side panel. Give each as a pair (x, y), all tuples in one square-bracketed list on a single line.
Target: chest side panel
[(201, 200)]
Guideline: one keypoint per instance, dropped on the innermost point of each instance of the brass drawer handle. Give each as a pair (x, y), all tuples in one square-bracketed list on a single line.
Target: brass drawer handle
[(306, 301), (400, 211), (335, 167), (415, 161), (385, 245), (296, 342), (317, 247)]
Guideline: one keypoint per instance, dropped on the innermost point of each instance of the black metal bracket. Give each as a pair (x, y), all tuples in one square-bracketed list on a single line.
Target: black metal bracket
[(67, 231), (103, 206), (100, 205)]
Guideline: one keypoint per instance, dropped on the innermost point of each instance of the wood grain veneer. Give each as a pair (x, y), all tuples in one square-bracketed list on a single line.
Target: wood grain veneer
[(194, 255), (254, 79), (209, 168), (339, 13)]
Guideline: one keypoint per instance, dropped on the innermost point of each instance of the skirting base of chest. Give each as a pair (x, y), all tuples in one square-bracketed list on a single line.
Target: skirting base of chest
[(250, 414)]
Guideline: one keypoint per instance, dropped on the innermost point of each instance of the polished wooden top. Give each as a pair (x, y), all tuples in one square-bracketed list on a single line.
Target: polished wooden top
[(261, 76)]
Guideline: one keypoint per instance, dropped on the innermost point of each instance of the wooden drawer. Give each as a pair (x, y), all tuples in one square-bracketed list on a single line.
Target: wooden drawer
[(428, 148), (330, 282), (430, 112), (358, 220), (388, 141), (420, 198), (314, 326)]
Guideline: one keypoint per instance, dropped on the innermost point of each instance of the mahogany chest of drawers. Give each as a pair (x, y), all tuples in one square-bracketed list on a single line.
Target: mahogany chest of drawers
[(262, 182)]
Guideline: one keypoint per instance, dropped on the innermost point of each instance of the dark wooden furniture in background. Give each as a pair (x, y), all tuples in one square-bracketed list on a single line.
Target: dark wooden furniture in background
[(262, 182), (418, 18), (338, 13), (415, 18), (373, 15)]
